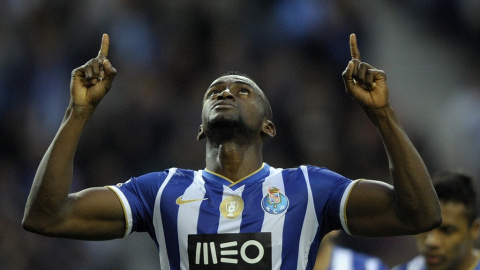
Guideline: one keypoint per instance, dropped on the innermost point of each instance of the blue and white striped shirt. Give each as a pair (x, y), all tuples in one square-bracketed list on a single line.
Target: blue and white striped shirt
[(418, 263), (348, 259), (271, 219)]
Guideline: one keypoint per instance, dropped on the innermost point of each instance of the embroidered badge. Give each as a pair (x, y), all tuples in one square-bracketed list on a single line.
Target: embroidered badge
[(232, 207), (274, 202)]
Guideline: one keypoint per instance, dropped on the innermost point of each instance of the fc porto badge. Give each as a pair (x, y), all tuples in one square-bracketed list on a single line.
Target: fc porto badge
[(274, 202)]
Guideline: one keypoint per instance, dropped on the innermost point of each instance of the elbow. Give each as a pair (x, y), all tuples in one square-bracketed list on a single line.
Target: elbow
[(30, 225), (433, 218), (421, 220), (435, 222), (34, 225), (428, 222)]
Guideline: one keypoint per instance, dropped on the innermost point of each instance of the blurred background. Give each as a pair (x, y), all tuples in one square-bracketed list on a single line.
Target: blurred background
[(168, 52)]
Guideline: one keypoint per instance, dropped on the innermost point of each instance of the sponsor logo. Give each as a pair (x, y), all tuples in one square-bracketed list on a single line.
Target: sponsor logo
[(274, 202), (230, 251), (231, 207), (180, 201)]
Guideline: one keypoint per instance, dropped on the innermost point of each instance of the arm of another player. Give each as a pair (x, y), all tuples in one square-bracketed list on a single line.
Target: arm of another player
[(94, 213), (374, 208)]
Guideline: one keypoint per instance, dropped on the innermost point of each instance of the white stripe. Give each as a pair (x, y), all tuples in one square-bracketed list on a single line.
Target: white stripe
[(274, 223), (416, 264), (343, 205), (341, 259), (126, 208), (309, 228), (227, 225), (372, 264), (158, 224), (188, 213)]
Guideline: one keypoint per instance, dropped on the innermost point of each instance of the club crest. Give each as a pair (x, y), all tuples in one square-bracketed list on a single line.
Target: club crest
[(274, 202)]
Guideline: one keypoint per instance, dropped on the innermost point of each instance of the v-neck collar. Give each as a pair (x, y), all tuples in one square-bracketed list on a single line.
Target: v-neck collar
[(261, 173)]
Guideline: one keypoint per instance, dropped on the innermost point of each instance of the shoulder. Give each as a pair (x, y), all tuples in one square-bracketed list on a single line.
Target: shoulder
[(160, 176), (177, 172), (313, 171)]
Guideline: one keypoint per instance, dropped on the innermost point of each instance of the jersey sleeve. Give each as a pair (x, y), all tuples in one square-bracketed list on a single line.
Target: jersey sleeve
[(330, 192), (137, 196)]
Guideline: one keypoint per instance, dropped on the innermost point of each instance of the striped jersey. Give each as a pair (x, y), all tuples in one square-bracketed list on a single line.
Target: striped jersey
[(272, 219), (348, 259), (418, 263)]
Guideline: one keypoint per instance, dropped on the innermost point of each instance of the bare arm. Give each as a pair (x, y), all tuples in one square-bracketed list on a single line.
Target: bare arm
[(94, 213), (375, 208)]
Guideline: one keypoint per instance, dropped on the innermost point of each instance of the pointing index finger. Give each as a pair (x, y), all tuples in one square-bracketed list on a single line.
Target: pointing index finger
[(354, 52), (104, 47)]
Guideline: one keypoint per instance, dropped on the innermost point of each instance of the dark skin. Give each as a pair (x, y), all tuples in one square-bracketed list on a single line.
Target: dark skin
[(373, 209)]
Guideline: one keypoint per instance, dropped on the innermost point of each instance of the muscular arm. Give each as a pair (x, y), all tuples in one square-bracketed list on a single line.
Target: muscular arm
[(375, 208), (95, 213)]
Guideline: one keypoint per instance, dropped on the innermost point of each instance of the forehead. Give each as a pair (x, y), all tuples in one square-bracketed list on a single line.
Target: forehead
[(234, 79), (453, 213)]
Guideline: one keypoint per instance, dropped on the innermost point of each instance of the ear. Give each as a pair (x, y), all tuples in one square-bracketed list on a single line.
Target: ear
[(201, 134), (268, 129), (475, 228)]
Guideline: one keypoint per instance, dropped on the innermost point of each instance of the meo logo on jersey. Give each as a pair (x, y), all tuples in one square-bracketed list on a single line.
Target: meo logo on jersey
[(230, 251), (274, 202)]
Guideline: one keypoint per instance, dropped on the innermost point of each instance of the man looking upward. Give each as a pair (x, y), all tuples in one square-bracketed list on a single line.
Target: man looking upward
[(239, 211)]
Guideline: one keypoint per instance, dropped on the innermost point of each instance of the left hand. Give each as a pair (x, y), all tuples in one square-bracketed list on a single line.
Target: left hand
[(364, 83)]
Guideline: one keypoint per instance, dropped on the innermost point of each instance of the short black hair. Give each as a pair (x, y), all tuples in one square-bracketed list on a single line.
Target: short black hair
[(457, 187), (267, 109)]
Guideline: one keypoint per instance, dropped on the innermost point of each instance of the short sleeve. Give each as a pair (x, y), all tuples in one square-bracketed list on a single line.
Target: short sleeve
[(330, 192), (137, 196)]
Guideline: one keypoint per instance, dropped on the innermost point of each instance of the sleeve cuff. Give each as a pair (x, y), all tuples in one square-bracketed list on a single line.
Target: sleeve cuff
[(126, 209)]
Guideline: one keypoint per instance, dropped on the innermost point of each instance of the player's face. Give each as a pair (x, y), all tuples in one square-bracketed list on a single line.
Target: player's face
[(233, 98), (450, 245)]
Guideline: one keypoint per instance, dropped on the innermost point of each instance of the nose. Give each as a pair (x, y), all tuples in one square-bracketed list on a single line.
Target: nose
[(432, 239), (225, 94)]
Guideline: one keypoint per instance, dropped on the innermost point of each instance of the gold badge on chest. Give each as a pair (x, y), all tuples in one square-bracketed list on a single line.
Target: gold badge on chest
[(231, 207)]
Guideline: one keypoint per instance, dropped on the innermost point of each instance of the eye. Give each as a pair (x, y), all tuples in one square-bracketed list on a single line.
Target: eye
[(213, 92), (447, 230), (244, 91)]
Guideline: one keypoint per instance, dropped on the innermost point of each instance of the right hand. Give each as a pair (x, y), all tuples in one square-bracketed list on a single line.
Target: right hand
[(91, 82)]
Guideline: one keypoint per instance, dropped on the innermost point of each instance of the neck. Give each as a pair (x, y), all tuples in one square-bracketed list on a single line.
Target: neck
[(232, 160), (470, 260)]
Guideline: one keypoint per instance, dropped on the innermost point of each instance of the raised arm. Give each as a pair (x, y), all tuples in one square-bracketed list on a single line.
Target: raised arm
[(375, 208), (95, 213)]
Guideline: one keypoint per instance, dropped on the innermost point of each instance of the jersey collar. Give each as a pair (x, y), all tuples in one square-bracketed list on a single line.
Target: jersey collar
[(254, 177)]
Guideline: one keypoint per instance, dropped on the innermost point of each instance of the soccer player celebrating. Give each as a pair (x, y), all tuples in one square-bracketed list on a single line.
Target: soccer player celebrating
[(239, 211)]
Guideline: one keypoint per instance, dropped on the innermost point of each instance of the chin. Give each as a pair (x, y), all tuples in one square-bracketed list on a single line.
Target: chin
[(225, 122)]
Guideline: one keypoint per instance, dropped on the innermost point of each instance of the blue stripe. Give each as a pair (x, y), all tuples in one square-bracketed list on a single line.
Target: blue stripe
[(312, 257), (253, 213), (297, 194), (175, 188), (358, 262)]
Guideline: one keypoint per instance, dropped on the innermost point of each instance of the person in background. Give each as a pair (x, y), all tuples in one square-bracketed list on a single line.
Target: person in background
[(451, 245), (334, 257)]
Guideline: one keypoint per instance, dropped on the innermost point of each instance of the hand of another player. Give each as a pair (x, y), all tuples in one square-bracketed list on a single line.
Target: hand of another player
[(92, 81), (366, 84)]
